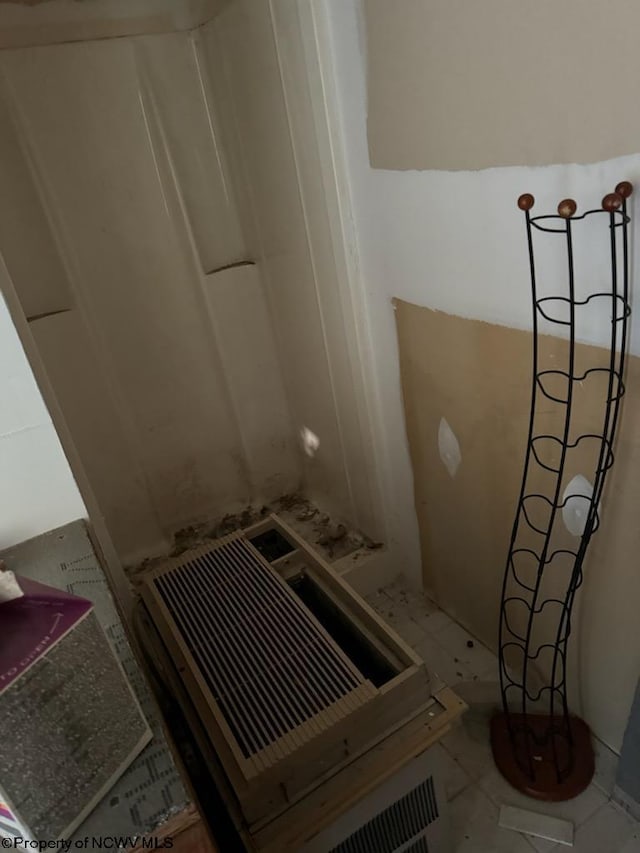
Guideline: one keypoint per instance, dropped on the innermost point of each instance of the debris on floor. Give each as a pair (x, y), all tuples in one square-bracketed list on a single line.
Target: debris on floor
[(332, 538), (475, 788)]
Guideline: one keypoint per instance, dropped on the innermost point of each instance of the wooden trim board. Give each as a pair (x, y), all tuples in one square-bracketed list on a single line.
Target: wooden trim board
[(337, 794)]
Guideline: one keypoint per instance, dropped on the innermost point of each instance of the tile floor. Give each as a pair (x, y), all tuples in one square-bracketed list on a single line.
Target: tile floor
[(474, 787)]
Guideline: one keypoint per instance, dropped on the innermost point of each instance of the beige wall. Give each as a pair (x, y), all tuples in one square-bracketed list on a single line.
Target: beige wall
[(477, 376), (458, 84)]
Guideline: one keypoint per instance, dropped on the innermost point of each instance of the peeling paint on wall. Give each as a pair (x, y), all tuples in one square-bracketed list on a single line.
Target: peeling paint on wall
[(449, 448), (575, 499)]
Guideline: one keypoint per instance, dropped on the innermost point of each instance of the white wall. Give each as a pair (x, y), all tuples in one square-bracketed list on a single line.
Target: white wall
[(454, 241), (263, 94), (119, 150), (37, 489), (143, 168)]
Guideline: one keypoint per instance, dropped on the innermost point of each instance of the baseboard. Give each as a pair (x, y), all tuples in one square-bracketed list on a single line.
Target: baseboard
[(626, 802), (606, 767)]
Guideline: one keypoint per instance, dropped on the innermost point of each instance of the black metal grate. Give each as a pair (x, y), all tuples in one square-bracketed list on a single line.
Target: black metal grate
[(397, 824), (267, 662), (419, 846)]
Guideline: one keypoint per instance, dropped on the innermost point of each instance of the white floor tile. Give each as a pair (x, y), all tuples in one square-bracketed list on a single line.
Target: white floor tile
[(535, 825), (607, 831), (491, 673), (469, 744), (542, 845), (577, 811), (474, 826), (467, 650), (421, 607), (398, 609), (440, 663), (473, 784), (396, 616), (410, 632), (606, 767), (415, 603), (481, 695), (633, 844), (435, 622), (400, 586), (456, 778), (378, 600)]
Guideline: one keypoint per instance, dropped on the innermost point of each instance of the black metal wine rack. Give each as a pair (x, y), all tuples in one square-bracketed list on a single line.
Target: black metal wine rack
[(535, 624)]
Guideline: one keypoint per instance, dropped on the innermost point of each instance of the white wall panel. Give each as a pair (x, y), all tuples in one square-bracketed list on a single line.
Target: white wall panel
[(110, 183), (82, 114), (169, 66), (59, 21), (236, 301), (140, 166), (28, 243), (91, 417), (37, 491), (316, 163), (257, 72)]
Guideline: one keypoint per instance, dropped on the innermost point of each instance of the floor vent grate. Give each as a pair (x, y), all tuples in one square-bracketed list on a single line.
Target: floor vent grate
[(419, 846), (397, 824), (269, 666)]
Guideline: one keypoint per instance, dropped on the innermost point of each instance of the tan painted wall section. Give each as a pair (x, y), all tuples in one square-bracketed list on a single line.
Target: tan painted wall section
[(477, 376), (458, 84)]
